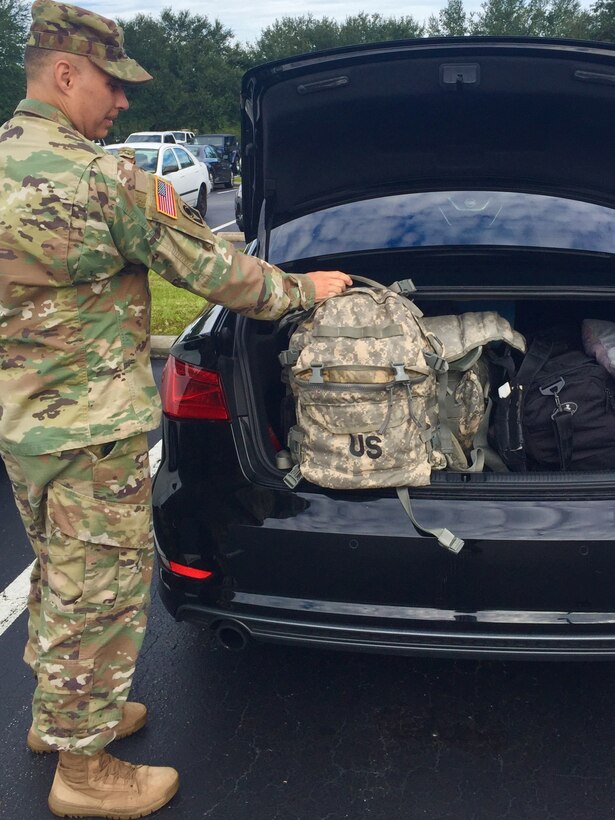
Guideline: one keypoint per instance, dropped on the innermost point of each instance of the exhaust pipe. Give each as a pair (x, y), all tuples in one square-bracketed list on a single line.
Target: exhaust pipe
[(231, 635)]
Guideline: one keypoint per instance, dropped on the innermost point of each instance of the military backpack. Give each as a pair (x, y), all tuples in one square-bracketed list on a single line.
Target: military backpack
[(383, 396)]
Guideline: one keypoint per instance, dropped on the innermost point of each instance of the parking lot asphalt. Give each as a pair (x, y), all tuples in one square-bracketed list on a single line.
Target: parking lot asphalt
[(288, 734), (278, 733)]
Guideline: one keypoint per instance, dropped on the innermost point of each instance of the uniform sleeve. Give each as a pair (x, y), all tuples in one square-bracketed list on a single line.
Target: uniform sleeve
[(152, 226)]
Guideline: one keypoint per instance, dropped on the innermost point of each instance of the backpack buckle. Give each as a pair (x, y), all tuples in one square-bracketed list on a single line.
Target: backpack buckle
[(403, 287), (450, 542), (436, 362), (293, 478), (554, 388), (400, 373)]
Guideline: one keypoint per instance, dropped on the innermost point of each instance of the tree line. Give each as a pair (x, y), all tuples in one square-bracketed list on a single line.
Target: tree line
[(197, 64)]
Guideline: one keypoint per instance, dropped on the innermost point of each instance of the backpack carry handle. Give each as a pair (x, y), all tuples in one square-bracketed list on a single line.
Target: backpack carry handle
[(365, 281), (403, 287)]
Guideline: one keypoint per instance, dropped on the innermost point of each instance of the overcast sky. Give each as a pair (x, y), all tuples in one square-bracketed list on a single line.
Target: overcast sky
[(247, 20)]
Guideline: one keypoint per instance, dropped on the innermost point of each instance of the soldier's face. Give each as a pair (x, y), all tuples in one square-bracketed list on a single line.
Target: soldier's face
[(96, 101)]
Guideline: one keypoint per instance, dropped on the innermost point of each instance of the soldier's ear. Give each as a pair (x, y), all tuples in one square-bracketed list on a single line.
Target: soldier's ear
[(65, 74), (62, 73)]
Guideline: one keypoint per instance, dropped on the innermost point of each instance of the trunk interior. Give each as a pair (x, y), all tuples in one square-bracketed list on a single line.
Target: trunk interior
[(530, 308)]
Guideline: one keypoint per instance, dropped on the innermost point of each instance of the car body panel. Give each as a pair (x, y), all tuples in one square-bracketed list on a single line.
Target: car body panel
[(279, 556)]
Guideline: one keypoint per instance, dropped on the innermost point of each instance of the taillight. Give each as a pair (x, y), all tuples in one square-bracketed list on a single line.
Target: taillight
[(190, 392), (189, 572)]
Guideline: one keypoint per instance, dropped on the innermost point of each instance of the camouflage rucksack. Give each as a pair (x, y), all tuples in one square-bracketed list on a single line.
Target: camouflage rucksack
[(370, 378)]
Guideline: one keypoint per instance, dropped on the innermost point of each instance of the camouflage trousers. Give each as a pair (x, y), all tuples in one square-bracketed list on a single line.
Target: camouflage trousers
[(88, 515)]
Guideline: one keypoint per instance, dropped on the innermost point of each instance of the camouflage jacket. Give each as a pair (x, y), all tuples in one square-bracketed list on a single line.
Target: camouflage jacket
[(78, 231)]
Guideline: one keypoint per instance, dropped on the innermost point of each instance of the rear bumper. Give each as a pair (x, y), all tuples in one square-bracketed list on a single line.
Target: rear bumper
[(546, 636)]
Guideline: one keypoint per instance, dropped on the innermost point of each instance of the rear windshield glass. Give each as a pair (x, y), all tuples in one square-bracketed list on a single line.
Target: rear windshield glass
[(448, 218)]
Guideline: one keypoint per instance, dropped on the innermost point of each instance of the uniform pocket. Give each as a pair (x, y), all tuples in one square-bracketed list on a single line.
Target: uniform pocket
[(98, 550)]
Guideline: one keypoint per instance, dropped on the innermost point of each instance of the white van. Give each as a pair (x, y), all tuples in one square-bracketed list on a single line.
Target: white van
[(153, 136), (186, 137)]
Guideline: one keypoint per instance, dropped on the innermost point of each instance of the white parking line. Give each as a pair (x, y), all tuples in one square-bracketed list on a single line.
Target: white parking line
[(14, 598), (219, 228), (155, 455)]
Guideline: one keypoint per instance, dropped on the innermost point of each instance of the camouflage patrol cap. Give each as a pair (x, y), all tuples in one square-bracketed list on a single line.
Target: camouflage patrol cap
[(61, 27)]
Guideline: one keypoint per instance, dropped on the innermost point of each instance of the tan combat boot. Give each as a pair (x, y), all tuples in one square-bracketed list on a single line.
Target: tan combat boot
[(134, 716), (103, 786)]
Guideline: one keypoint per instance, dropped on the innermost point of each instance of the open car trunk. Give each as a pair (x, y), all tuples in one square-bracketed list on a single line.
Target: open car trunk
[(534, 301)]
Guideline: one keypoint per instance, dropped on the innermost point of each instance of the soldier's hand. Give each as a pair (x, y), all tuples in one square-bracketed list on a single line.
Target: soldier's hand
[(329, 282)]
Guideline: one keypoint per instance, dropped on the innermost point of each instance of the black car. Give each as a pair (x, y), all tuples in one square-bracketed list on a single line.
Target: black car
[(491, 182), (225, 143), (219, 169)]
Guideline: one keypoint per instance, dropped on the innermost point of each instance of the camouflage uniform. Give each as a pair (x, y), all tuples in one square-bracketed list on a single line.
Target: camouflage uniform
[(88, 516), (78, 232)]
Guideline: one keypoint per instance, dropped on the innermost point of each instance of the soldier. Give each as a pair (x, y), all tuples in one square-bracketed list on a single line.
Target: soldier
[(78, 232)]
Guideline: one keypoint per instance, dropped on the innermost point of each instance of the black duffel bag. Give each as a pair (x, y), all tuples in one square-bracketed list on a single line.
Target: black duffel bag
[(559, 413)]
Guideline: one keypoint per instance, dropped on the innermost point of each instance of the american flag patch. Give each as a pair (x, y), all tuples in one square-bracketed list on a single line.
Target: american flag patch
[(165, 198)]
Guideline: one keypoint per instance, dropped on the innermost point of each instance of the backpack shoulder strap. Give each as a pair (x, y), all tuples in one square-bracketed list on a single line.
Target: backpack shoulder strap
[(444, 537), (534, 360)]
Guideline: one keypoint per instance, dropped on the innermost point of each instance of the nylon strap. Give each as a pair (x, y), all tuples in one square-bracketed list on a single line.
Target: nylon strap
[(370, 282), (288, 358), (564, 429), (402, 287), (444, 537), (534, 360), (458, 462), (294, 439), (444, 434), (369, 331), (481, 442), (464, 363)]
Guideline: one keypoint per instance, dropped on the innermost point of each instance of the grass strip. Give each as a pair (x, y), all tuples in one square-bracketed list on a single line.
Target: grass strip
[(172, 308)]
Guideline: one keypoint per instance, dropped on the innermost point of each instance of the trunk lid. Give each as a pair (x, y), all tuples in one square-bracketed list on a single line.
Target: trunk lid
[(529, 114)]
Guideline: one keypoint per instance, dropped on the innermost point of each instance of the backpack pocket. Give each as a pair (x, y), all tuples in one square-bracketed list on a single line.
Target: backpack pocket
[(359, 439)]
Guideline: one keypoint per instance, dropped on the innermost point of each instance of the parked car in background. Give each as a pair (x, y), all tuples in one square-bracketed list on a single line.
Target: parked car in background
[(219, 168), (189, 177), (491, 184), (239, 208), (152, 136), (184, 137), (227, 143)]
